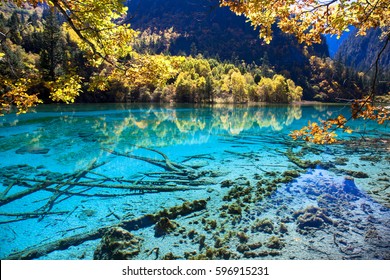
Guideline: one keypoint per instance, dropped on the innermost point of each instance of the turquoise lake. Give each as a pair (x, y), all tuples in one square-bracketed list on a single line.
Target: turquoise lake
[(185, 182)]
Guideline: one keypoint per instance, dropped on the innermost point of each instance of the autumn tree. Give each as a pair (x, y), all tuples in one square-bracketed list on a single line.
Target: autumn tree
[(308, 20), (99, 29)]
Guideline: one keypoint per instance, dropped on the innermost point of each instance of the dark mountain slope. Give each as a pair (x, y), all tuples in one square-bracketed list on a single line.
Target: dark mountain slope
[(360, 52), (217, 32)]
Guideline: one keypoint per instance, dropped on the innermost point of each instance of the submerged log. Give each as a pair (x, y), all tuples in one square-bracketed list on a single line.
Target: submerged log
[(130, 225), (28, 215), (167, 164), (145, 188)]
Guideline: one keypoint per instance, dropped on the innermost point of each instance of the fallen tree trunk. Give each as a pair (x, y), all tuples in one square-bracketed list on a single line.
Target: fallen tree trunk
[(146, 188)]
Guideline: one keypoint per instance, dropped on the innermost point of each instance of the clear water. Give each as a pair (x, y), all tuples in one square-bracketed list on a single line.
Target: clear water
[(62, 169)]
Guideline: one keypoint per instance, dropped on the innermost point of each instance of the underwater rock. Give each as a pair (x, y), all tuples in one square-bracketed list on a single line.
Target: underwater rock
[(218, 243), (252, 255), (118, 244), (376, 238), (275, 242), (264, 225), (32, 150), (326, 199), (311, 218), (86, 214), (212, 224), (366, 208), (164, 226)]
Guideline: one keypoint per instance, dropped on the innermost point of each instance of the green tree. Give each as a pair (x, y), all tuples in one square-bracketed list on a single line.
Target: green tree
[(53, 45), (14, 25)]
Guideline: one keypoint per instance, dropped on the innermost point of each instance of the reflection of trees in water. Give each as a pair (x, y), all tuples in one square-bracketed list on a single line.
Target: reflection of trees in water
[(168, 126), (151, 127)]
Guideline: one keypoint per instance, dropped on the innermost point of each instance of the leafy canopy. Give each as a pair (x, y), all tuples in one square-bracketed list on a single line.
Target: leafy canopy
[(98, 28), (308, 19), (98, 25)]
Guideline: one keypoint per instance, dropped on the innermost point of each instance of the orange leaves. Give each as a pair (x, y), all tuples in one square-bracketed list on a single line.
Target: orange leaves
[(366, 110), (323, 133), (339, 122)]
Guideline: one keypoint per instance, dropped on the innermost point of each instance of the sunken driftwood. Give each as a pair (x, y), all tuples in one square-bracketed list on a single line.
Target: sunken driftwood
[(88, 182)]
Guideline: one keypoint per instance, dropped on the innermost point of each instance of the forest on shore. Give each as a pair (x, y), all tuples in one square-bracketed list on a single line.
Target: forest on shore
[(43, 60)]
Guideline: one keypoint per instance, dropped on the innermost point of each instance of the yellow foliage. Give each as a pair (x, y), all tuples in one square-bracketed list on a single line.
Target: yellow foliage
[(16, 93), (66, 88), (323, 133), (366, 110), (308, 19)]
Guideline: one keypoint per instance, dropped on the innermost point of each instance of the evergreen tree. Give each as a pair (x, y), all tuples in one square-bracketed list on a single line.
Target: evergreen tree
[(52, 45), (14, 25)]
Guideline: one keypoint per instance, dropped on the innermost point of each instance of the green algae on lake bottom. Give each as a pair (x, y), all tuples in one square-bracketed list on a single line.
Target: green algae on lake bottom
[(127, 182)]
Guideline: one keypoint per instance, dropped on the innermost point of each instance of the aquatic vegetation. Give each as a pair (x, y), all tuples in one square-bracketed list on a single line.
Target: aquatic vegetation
[(227, 183), (264, 225), (283, 228), (164, 226), (311, 218), (118, 244), (235, 209), (275, 242), (341, 161), (242, 236), (356, 174), (170, 256)]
